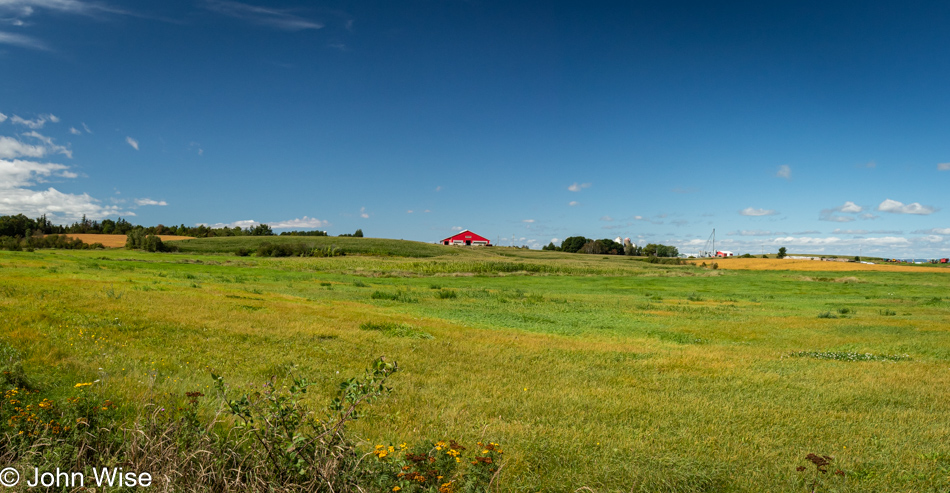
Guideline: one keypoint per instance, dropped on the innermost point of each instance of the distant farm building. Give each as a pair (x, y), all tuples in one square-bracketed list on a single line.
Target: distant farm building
[(466, 237), (723, 253)]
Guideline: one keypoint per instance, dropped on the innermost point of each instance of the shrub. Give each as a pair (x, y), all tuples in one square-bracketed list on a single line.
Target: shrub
[(444, 294), (393, 329), (397, 296)]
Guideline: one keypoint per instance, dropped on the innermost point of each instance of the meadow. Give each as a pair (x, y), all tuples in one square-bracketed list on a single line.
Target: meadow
[(594, 372)]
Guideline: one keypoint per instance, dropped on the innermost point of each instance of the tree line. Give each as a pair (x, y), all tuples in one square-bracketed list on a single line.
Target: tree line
[(606, 246)]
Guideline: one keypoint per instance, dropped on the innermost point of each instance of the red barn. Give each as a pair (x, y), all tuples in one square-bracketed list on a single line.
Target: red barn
[(466, 238)]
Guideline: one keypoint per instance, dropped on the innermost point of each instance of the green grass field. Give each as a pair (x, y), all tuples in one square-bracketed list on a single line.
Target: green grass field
[(598, 372)]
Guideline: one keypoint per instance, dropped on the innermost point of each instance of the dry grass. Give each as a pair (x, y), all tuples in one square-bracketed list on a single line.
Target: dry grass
[(812, 265), (118, 241)]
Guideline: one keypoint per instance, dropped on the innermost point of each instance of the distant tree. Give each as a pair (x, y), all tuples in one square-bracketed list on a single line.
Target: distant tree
[(781, 253), (592, 247), (573, 244), (358, 233), (261, 230), (550, 247)]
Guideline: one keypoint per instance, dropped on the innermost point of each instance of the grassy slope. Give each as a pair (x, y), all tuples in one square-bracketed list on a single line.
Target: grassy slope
[(350, 245), (602, 372)]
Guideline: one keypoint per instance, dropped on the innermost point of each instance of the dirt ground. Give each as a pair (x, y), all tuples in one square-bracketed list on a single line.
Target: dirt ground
[(812, 265), (117, 241)]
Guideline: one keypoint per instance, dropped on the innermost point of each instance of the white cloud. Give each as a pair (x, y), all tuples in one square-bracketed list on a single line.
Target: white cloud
[(275, 18), (751, 211), (53, 118), (19, 173), (363, 213), (86, 128), (606, 218), (850, 231), (850, 207), (246, 223), (868, 215), (784, 171), (132, 142), (13, 148), (896, 207), (150, 202), (2, 117), (438, 188), (73, 131), (940, 167), (556, 241), (59, 206), (303, 222), (933, 231), (527, 220), (426, 211), (573, 203), (457, 228), (410, 211), (577, 187)]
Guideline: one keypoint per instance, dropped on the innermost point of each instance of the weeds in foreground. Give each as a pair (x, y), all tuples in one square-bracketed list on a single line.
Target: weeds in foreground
[(821, 463), (849, 356), (263, 440)]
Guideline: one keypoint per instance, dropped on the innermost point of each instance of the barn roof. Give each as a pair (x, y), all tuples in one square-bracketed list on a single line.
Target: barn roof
[(464, 233)]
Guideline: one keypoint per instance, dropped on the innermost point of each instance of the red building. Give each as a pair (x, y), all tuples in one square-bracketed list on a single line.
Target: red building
[(466, 238)]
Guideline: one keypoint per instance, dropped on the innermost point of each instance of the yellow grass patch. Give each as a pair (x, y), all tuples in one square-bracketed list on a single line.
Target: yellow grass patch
[(811, 265), (117, 241)]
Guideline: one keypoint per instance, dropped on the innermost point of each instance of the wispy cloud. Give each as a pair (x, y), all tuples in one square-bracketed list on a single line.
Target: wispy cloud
[(73, 131), (457, 228), (150, 202), (284, 20), (50, 145), (363, 213), (3, 118), (132, 142), (784, 171), (529, 221), (940, 167), (896, 207), (933, 231), (22, 41), (755, 232), (36, 123), (86, 128), (752, 211), (606, 218), (573, 203), (303, 222), (577, 187)]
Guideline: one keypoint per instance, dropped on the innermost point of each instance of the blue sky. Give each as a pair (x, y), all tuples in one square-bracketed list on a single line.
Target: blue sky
[(819, 126)]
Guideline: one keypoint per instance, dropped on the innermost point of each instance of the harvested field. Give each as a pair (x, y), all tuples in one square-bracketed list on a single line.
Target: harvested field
[(118, 241), (812, 265)]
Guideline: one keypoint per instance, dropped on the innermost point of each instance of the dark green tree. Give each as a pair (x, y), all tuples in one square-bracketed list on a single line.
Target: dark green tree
[(781, 252), (573, 244)]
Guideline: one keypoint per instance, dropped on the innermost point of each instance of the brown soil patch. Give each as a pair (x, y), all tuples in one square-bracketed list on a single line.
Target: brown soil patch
[(812, 265), (117, 241)]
